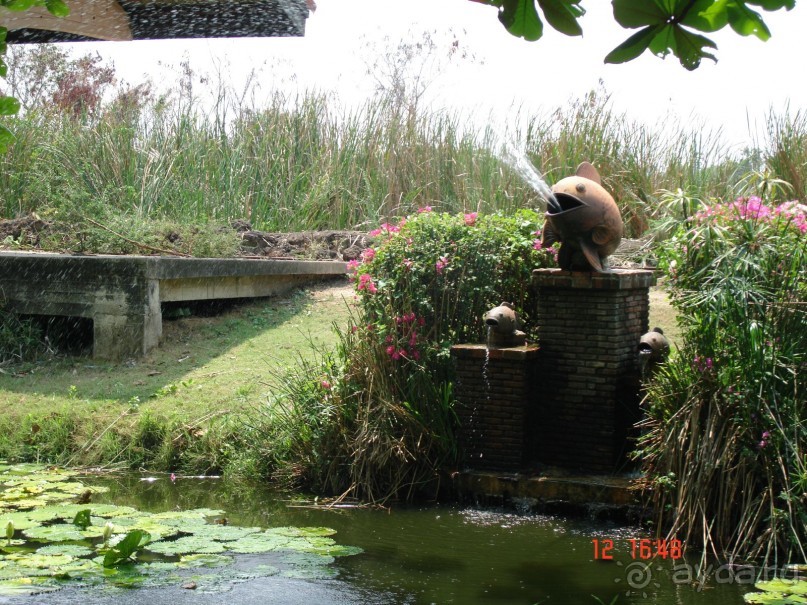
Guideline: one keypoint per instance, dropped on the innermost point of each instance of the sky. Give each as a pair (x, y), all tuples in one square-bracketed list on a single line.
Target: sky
[(734, 95)]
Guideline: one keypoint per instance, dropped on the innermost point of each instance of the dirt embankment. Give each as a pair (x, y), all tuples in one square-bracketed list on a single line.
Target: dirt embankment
[(27, 233)]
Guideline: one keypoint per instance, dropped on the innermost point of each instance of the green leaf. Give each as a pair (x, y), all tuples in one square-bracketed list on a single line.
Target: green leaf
[(633, 46), (707, 15), (521, 19), (773, 5), (20, 5), (638, 13), (131, 543), (689, 48), (9, 106), (57, 8), (82, 519), (746, 22), (563, 15)]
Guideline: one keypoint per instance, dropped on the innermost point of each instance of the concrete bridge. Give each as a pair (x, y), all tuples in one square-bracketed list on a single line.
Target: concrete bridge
[(122, 294)]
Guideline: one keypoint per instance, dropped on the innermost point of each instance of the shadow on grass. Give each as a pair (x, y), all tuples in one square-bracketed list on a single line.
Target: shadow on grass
[(206, 347)]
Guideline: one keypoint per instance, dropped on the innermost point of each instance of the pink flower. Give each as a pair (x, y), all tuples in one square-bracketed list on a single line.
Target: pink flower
[(396, 355), (762, 444), (173, 477), (407, 263), (354, 329), (415, 354), (441, 264), (709, 362), (413, 339), (366, 283), (353, 266), (368, 255), (470, 219), (391, 351), (536, 245), (424, 209), (766, 435), (325, 385), (421, 321)]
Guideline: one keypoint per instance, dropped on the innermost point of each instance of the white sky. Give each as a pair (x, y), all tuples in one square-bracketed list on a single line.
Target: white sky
[(749, 78)]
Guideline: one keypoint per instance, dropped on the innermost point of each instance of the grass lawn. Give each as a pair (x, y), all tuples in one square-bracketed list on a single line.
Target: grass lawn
[(204, 368)]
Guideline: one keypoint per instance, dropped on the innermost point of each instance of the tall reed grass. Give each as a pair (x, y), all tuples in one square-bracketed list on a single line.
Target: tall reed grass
[(297, 163)]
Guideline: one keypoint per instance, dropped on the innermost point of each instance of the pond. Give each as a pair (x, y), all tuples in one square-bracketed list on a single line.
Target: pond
[(411, 555)]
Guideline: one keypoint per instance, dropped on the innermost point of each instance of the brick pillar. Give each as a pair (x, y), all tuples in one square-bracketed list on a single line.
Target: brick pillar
[(589, 326), (493, 391)]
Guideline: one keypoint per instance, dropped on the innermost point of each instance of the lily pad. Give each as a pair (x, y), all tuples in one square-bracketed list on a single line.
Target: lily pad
[(258, 543), (64, 548), (61, 532), (186, 545), (22, 587), (204, 560), (222, 533)]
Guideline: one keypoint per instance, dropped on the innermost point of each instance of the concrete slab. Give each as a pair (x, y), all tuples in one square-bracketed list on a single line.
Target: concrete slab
[(122, 294)]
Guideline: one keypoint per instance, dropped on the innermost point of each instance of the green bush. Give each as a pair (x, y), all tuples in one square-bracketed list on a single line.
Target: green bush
[(374, 418), (725, 447)]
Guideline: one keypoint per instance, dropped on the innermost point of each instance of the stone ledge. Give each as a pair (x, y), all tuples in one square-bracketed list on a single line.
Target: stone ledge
[(616, 279), (480, 351)]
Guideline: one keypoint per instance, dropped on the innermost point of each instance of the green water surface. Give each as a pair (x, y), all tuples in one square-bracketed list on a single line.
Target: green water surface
[(441, 553)]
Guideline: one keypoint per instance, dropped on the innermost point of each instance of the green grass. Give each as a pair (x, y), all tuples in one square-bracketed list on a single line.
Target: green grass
[(207, 371), (300, 164)]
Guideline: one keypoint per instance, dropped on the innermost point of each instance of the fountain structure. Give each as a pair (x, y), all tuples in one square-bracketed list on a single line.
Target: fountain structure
[(568, 402)]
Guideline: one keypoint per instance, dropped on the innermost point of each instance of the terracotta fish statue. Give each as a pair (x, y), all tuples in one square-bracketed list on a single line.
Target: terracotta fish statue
[(504, 327), (585, 219)]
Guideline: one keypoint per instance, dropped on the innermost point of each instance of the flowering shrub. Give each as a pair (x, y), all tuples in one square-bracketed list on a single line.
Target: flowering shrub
[(726, 415), (385, 422)]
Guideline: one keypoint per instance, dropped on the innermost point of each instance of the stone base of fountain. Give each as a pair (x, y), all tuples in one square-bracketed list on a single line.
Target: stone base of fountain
[(570, 403), (494, 389)]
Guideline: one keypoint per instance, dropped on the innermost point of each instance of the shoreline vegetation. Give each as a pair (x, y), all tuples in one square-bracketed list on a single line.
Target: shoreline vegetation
[(367, 412)]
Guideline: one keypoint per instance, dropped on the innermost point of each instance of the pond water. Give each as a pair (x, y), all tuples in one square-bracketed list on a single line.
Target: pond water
[(415, 555)]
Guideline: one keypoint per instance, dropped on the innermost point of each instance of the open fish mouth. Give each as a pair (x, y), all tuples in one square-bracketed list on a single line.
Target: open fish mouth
[(565, 203)]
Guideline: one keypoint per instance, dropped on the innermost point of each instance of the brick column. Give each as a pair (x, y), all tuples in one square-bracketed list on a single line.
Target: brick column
[(589, 326), (493, 392)]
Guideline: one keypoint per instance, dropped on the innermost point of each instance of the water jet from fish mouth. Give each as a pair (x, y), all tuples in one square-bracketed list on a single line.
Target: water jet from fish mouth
[(517, 160)]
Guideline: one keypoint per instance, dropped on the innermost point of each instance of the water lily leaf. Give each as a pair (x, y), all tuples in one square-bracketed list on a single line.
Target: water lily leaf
[(301, 532), (258, 543), (123, 550), (307, 559), (784, 585), (773, 598), (82, 519), (63, 548), (221, 533), (204, 560), (61, 532), (187, 545), (23, 587), (20, 520), (42, 561), (197, 516), (310, 573)]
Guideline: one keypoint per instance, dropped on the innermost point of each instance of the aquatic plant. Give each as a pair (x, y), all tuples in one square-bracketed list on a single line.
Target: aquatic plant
[(779, 592), (374, 418), (724, 443), (52, 542)]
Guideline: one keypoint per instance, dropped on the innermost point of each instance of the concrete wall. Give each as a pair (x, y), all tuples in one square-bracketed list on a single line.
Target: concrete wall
[(122, 294)]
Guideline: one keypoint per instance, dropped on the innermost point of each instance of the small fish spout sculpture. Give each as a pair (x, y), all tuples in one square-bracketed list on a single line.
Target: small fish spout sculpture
[(653, 350), (504, 327), (585, 219)]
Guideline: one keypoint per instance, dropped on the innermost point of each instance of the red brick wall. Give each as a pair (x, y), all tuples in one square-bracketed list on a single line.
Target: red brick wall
[(571, 401)]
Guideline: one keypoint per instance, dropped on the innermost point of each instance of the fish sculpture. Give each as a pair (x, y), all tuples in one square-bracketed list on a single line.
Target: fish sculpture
[(585, 219), (504, 327)]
